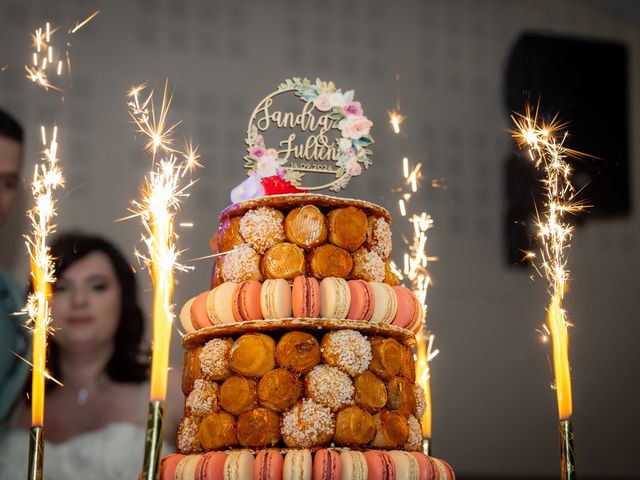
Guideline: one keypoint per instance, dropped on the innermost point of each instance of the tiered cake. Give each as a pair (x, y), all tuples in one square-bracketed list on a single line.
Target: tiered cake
[(299, 360)]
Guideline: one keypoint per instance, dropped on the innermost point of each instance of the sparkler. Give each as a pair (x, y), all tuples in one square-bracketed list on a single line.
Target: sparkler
[(549, 155), (162, 193), (46, 178), (45, 58), (415, 269)]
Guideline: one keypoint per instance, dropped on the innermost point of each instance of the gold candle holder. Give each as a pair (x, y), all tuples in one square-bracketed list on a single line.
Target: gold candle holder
[(426, 446), (36, 453), (153, 441), (567, 459)]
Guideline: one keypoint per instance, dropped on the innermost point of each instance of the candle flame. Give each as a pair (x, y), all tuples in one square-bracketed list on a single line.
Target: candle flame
[(46, 178), (549, 155), (162, 193)]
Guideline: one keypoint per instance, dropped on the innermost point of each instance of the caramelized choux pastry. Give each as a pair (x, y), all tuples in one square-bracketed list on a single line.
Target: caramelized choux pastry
[(305, 226), (354, 427), (238, 394), (284, 260), (379, 237), (262, 228), (252, 355), (367, 265), (408, 366), (402, 396), (191, 369), (347, 227), (392, 430), (299, 351), (329, 261), (241, 263), (371, 392), (217, 430), (279, 390), (258, 428), (390, 278), (386, 357), (228, 235)]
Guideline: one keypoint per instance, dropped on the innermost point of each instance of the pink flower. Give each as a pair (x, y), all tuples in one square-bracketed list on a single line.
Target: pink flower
[(353, 168), (353, 109), (272, 153), (322, 103), (355, 127), (257, 152), (260, 141)]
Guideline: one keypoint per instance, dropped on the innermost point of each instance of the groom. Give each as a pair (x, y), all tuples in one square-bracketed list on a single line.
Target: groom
[(13, 336)]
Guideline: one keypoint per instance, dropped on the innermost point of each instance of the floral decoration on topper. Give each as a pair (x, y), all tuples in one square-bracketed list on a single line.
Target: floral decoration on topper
[(281, 170)]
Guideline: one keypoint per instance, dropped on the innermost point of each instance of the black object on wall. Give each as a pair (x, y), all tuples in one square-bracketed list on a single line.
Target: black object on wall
[(585, 82)]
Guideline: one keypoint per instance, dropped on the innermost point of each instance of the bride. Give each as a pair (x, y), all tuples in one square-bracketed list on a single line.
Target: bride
[(94, 425)]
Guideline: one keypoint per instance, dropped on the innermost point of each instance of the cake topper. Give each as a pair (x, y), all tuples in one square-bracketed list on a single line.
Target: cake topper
[(279, 166)]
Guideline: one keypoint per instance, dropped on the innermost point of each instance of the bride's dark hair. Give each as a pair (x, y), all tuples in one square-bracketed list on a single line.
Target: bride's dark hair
[(127, 364)]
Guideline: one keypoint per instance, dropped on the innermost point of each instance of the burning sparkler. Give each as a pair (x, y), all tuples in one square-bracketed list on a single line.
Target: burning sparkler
[(415, 269), (46, 178), (550, 154), (163, 190), (47, 58)]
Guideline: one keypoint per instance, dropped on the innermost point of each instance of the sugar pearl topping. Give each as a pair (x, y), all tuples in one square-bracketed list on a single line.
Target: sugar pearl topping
[(188, 441), (203, 399), (348, 350), (421, 404), (330, 387), (307, 422), (381, 238), (368, 265), (414, 442), (214, 358), (262, 228), (241, 263)]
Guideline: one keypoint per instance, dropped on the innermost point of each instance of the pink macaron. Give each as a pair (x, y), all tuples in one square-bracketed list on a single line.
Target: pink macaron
[(362, 300), (168, 466), (267, 465), (380, 465), (305, 297), (211, 465), (427, 470), (326, 465), (408, 307), (199, 315), (246, 301)]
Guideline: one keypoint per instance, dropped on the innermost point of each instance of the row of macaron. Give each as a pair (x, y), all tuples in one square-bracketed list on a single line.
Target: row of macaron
[(332, 298), (326, 464)]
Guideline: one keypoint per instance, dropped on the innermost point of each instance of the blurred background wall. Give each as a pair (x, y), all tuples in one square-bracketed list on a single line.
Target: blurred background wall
[(494, 409)]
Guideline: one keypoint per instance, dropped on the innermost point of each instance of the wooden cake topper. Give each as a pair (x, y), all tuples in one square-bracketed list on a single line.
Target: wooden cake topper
[(328, 136)]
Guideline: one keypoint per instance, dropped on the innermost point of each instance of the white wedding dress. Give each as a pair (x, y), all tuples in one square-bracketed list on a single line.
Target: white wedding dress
[(114, 452)]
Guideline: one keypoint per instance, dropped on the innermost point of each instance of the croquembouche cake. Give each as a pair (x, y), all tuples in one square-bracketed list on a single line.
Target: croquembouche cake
[(298, 360)]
